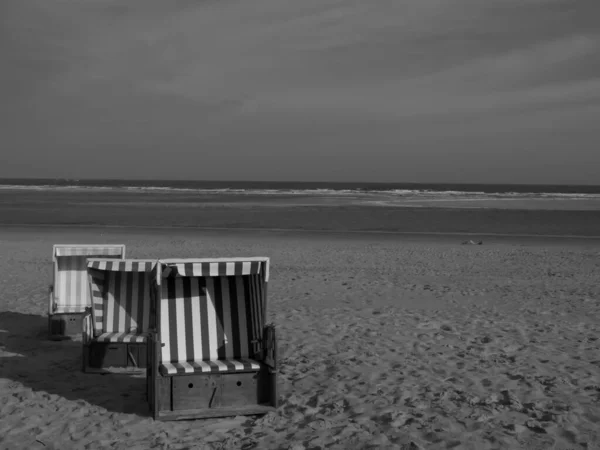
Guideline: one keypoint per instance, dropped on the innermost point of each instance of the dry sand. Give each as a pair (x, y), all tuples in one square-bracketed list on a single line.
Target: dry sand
[(385, 343)]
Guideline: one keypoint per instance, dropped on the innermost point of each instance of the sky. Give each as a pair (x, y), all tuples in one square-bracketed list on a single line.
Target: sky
[(499, 91)]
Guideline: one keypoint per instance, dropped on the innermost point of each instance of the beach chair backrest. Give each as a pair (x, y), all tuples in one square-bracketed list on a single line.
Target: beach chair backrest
[(71, 292), (121, 295), (212, 310)]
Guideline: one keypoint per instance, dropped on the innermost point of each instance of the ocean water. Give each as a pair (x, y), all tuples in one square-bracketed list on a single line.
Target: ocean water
[(383, 194), (291, 186), (400, 207)]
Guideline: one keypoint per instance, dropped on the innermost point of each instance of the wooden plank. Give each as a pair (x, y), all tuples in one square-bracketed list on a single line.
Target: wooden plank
[(64, 325), (137, 355), (274, 389), (196, 391), (163, 395), (54, 281), (115, 370), (56, 326), (149, 374), (108, 355), (263, 388), (73, 324), (273, 372), (270, 346), (239, 389), (158, 403), (215, 412)]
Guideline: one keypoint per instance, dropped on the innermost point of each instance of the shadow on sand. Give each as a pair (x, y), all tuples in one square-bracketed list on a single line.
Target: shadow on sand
[(29, 358)]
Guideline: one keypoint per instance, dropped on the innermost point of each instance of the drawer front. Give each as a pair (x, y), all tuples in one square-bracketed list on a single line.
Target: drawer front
[(196, 391), (57, 326), (65, 324), (239, 389), (72, 324), (107, 355)]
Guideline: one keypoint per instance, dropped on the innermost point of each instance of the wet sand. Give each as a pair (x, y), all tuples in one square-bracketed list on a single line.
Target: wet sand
[(387, 341), (533, 217)]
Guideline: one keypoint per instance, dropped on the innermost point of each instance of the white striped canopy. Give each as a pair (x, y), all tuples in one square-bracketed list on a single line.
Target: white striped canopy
[(89, 250), (70, 291), (216, 267), (121, 298), (123, 265)]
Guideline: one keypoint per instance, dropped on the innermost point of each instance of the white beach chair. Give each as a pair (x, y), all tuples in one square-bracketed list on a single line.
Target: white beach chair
[(115, 327), (69, 293), (211, 354)]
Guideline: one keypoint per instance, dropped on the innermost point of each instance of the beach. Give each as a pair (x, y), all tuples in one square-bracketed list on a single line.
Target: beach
[(386, 341), (423, 177)]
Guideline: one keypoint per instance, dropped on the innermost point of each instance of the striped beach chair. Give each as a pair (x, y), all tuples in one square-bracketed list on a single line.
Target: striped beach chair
[(211, 354), (115, 326), (69, 293)]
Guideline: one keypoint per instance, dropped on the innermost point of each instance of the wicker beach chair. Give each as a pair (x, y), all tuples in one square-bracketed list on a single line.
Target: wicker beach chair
[(211, 354), (69, 293), (115, 327)]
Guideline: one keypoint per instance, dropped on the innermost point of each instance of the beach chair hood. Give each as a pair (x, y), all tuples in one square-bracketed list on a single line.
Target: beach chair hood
[(120, 291), (92, 250), (215, 268), (69, 291)]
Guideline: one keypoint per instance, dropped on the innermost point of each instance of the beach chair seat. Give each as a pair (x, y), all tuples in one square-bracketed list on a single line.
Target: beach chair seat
[(137, 338), (210, 366), (208, 356), (69, 294), (116, 327)]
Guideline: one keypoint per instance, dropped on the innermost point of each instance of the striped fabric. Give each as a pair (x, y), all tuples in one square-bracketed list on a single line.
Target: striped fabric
[(92, 250), (226, 365), (213, 269), (127, 265), (121, 299), (121, 337), (71, 292), (210, 324)]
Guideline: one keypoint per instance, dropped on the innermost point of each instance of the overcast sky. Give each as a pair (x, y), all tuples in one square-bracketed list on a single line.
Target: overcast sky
[(312, 90)]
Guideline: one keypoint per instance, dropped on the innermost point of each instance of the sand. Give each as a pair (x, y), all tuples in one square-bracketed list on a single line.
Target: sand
[(385, 342)]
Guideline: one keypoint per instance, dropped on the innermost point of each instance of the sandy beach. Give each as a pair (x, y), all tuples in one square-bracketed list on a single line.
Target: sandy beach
[(385, 342)]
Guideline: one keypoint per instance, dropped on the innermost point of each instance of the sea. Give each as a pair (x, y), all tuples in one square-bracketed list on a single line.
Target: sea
[(453, 209)]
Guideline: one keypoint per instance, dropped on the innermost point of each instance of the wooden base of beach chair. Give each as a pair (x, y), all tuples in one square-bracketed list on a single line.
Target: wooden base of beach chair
[(99, 356), (64, 326), (198, 396)]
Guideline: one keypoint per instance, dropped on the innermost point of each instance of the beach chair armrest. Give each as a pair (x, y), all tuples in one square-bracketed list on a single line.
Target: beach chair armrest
[(88, 327), (270, 347), (151, 337)]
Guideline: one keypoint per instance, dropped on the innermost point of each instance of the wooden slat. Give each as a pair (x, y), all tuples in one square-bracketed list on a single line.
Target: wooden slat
[(196, 391), (216, 412), (239, 389)]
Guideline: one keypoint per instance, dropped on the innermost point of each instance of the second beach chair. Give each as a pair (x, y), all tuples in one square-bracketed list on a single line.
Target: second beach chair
[(115, 327), (211, 354)]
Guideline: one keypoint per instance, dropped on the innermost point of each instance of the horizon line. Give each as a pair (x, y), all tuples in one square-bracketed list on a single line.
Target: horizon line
[(4, 179)]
